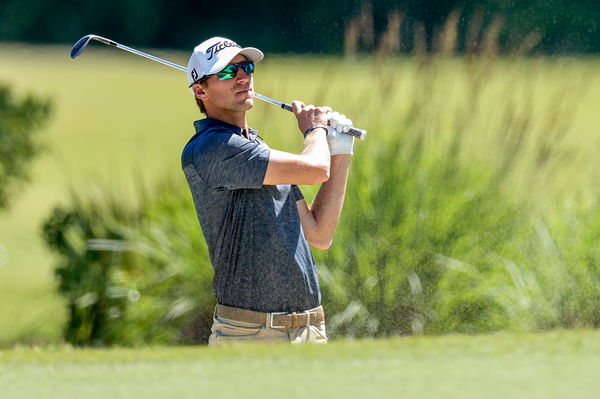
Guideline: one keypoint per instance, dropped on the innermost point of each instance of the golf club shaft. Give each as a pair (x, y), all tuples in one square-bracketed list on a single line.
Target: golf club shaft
[(145, 55), (81, 43), (269, 100)]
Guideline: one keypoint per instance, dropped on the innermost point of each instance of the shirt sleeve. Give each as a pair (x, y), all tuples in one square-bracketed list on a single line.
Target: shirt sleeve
[(297, 193), (230, 162)]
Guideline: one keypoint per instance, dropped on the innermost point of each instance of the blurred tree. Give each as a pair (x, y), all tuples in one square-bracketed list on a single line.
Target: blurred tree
[(315, 27), (20, 121)]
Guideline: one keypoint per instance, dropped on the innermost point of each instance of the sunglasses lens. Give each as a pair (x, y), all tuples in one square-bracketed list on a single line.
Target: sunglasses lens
[(228, 72), (247, 66)]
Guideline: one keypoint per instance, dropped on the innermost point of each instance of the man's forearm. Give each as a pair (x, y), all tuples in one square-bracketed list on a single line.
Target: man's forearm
[(327, 207), (309, 167), (315, 147)]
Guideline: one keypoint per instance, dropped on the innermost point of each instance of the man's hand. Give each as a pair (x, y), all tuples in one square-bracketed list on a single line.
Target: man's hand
[(339, 143), (309, 115)]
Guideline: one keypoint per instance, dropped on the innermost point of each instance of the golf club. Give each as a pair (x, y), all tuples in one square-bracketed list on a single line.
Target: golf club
[(83, 42)]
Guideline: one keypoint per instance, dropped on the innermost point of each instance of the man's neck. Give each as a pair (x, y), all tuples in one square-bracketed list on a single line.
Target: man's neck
[(233, 118)]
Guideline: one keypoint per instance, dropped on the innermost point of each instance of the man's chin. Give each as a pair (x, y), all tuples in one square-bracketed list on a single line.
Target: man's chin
[(248, 103)]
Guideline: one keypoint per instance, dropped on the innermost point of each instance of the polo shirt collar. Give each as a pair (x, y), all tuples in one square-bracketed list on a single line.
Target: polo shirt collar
[(208, 123)]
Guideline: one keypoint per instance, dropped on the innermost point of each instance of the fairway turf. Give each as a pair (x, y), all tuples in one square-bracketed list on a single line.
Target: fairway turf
[(549, 365)]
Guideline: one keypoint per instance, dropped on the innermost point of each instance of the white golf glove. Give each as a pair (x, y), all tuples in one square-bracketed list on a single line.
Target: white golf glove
[(339, 143)]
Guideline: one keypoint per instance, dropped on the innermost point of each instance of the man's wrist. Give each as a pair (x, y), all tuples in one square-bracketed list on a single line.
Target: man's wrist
[(314, 127)]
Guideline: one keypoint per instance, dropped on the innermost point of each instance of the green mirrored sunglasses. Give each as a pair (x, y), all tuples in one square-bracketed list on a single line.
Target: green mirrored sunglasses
[(231, 70)]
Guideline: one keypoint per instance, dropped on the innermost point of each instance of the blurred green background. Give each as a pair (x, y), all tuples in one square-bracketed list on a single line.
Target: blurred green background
[(314, 27), (472, 205)]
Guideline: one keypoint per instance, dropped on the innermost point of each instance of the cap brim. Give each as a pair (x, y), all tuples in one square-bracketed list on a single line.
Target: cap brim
[(253, 54)]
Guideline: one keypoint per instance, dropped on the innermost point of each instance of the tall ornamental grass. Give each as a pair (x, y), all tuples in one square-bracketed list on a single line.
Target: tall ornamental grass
[(456, 217), (454, 220)]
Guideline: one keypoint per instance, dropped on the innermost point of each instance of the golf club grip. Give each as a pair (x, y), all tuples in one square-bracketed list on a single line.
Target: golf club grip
[(356, 132)]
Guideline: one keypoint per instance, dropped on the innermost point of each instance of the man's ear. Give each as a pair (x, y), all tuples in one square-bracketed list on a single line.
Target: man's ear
[(199, 91)]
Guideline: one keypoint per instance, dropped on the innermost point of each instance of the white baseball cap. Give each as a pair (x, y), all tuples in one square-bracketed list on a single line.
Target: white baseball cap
[(214, 54)]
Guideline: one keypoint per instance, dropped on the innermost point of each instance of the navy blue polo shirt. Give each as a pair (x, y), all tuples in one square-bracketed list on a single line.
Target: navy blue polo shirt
[(256, 244)]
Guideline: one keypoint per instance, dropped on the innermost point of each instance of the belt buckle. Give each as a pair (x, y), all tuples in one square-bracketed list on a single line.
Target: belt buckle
[(270, 321)]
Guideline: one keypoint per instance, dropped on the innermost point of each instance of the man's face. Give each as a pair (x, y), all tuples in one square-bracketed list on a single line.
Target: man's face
[(236, 94)]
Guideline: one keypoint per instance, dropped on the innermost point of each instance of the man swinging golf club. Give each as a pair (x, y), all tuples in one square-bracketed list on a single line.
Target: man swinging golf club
[(255, 220)]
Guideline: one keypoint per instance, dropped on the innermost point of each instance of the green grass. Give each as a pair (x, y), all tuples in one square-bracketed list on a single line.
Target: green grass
[(550, 365), (118, 117)]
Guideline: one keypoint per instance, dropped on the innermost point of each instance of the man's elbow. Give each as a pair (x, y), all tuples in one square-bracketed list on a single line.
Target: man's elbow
[(320, 244), (319, 174)]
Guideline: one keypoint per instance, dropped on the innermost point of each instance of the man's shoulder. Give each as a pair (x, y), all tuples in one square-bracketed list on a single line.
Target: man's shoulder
[(216, 143), (209, 130), (201, 141)]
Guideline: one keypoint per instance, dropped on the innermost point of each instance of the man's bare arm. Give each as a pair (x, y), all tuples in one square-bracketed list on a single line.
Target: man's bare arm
[(320, 219), (310, 167), (313, 164)]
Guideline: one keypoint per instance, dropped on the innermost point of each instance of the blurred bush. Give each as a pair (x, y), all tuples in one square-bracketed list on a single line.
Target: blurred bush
[(20, 123), (132, 274), (419, 242)]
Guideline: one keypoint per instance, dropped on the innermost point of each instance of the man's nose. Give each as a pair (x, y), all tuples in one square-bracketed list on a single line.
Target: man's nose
[(242, 75)]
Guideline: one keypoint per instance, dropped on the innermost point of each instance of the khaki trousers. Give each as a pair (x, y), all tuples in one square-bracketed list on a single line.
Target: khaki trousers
[(227, 330)]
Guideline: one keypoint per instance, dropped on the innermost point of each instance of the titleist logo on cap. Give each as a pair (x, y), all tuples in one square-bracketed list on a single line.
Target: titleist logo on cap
[(215, 48)]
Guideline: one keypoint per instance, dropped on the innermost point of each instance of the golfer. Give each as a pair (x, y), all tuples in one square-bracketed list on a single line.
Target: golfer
[(255, 220)]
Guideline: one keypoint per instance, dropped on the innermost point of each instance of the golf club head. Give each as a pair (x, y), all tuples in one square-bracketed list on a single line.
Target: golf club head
[(83, 42)]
